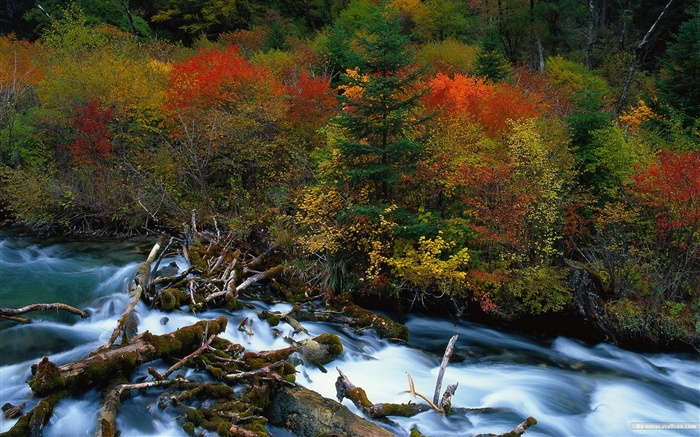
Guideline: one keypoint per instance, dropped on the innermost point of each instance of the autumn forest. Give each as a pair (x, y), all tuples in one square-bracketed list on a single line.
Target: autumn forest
[(514, 161)]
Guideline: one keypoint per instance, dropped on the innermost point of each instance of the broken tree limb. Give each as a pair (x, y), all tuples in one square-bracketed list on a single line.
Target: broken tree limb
[(446, 400), (234, 377), (32, 423), (294, 323), (194, 354), (346, 389), (138, 286), (12, 313), (259, 277), (414, 393), (159, 259), (445, 360), (260, 258), (342, 312), (11, 411), (247, 283), (171, 279), (518, 430), (637, 56), (17, 319)]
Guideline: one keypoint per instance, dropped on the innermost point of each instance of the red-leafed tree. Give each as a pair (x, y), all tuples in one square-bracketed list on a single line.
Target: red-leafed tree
[(496, 201), (669, 190), (312, 102), (214, 78), (227, 118), (92, 143)]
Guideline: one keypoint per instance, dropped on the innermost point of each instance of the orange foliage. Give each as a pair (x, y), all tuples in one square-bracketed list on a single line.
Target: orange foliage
[(551, 99), (489, 105), (635, 118), (18, 65)]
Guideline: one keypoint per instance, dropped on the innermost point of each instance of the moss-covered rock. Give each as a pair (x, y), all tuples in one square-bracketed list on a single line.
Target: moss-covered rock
[(322, 349)]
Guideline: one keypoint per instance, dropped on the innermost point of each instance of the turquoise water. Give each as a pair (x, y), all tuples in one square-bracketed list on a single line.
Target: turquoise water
[(571, 388)]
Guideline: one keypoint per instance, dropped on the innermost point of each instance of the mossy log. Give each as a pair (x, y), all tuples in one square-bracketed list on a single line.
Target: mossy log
[(99, 370), (306, 413), (340, 312), (111, 402), (32, 423)]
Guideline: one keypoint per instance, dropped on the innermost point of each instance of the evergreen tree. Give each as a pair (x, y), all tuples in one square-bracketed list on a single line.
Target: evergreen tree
[(681, 88), (491, 63), (380, 114)]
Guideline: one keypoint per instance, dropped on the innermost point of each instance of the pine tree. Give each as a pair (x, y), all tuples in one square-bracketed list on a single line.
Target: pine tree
[(491, 63), (380, 116), (681, 88)]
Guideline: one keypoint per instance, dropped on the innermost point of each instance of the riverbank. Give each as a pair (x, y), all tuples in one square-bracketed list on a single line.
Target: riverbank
[(572, 321)]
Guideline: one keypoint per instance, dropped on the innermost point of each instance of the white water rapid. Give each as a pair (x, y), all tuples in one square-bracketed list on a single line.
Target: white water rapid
[(571, 389)]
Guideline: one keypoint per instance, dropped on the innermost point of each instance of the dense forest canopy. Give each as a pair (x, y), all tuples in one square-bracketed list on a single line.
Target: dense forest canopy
[(484, 156)]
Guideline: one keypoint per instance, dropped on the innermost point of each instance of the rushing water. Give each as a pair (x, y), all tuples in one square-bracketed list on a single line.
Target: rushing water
[(571, 388)]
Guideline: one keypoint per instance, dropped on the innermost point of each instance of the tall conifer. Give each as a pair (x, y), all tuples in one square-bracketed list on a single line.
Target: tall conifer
[(381, 116)]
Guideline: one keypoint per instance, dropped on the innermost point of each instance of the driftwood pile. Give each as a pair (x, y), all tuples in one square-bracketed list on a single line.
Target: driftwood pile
[(246, 390)]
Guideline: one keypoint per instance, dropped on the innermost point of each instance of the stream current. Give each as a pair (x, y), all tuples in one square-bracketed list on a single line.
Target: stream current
[(572, 389)]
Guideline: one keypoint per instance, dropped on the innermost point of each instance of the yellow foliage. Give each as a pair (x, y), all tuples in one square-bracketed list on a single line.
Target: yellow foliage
[(275, 60), (159, 67), (532, 156), (427, 263), (572, 77), (134, 88), (318, 212), (448, 56)]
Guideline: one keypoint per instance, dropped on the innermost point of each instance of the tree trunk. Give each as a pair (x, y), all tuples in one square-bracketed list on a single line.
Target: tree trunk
[(636, 58), (591, 34)]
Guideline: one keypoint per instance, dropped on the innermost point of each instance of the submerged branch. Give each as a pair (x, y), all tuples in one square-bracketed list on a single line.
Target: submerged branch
[(12, 313)]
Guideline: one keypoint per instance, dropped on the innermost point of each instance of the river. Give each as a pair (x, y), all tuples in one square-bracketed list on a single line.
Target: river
[(572, 389)]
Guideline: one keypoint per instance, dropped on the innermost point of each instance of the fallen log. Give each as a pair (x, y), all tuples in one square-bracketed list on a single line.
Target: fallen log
[(340, 312), (32, 423), (111, 402), (100, 369)]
